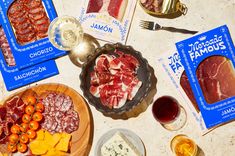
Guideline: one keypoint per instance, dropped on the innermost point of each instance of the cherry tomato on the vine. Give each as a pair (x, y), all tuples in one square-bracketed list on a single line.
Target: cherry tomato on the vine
[(29, 109), (15, 129), (26, 118), (24, 138), (33, 125), (24, 127), (37, 116), (11, 147), (40, 107), (21, 147), (31, 100), (31, 134), (13, 138)]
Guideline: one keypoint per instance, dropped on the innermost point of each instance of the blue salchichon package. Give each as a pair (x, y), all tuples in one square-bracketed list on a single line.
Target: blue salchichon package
[(209, 61), (13, 76), (26, 24)]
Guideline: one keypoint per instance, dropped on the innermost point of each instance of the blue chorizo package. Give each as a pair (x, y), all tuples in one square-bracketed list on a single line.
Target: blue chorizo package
[(26, 23), (209, 61), (15, 78)]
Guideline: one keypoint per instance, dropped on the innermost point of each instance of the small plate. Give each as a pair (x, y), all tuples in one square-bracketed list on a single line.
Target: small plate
[(143, 74), (131, 136)]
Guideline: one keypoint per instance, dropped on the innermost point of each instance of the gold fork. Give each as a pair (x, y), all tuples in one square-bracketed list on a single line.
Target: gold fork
[(155, 26)]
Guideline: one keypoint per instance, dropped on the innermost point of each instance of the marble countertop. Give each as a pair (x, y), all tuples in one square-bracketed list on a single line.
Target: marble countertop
[(202, 15)]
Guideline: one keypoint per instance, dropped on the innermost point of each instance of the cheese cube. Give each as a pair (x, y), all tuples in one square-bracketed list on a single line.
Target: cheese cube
[(63, 145), (38, 147), (40, 135), (119, 145), (52, 140)]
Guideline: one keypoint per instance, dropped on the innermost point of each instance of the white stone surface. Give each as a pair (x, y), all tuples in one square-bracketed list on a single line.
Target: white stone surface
[(202, 15)]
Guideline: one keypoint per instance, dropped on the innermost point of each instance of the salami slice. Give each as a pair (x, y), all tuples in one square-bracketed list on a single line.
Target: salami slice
[(37, 16), (70, 122), (33, 3), (15, 8), (43, 20), (36, 10), (27, 31), (27, 37), (24, 26)]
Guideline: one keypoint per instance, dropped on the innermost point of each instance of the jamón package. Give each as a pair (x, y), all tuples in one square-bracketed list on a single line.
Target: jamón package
[(25, 23), (209, 61), (107, 20)]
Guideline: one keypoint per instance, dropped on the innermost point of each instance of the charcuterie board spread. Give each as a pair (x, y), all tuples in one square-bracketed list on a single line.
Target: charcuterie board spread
[(117, 79), (63, 127)]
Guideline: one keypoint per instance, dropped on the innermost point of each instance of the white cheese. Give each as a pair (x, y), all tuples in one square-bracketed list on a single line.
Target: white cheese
[(119, 145)]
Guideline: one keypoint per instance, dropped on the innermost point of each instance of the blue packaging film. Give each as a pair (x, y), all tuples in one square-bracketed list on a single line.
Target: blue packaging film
[(209, 62), (29, 42), (13, 76)]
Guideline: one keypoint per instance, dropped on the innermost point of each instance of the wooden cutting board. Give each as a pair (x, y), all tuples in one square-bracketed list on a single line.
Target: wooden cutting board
[(82, 138)]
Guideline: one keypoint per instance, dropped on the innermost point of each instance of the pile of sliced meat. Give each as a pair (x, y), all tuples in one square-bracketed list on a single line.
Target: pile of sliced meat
[(114, 79), (152, 5), (59, 114), (115, 8), (29, 20), (216, 76), (6, 50), (10, 113)]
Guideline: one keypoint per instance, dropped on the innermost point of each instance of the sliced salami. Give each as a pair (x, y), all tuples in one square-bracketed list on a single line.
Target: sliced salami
[(29, 20), (59, 109)]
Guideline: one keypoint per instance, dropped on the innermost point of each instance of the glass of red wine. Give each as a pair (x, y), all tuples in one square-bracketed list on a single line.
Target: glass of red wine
[(169, 113)]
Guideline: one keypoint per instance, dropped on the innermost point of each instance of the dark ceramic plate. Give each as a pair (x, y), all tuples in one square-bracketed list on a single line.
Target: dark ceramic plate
[(143, 75)]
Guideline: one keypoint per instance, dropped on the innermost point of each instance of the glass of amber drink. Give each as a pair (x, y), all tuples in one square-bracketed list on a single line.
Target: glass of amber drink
[(182, 145)]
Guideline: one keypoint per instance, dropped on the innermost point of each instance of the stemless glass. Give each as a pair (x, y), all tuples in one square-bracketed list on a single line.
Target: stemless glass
[(66, 33), (169, 113), (182, 145)]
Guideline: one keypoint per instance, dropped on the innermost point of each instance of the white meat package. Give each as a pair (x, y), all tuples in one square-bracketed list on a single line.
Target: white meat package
[(171, 64), (108, 20)]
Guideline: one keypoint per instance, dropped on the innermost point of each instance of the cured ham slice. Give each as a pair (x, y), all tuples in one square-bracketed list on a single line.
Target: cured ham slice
[(94, 6), (115, 8), (10, 113), (114, 79), (184, 82), (216, 76)]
